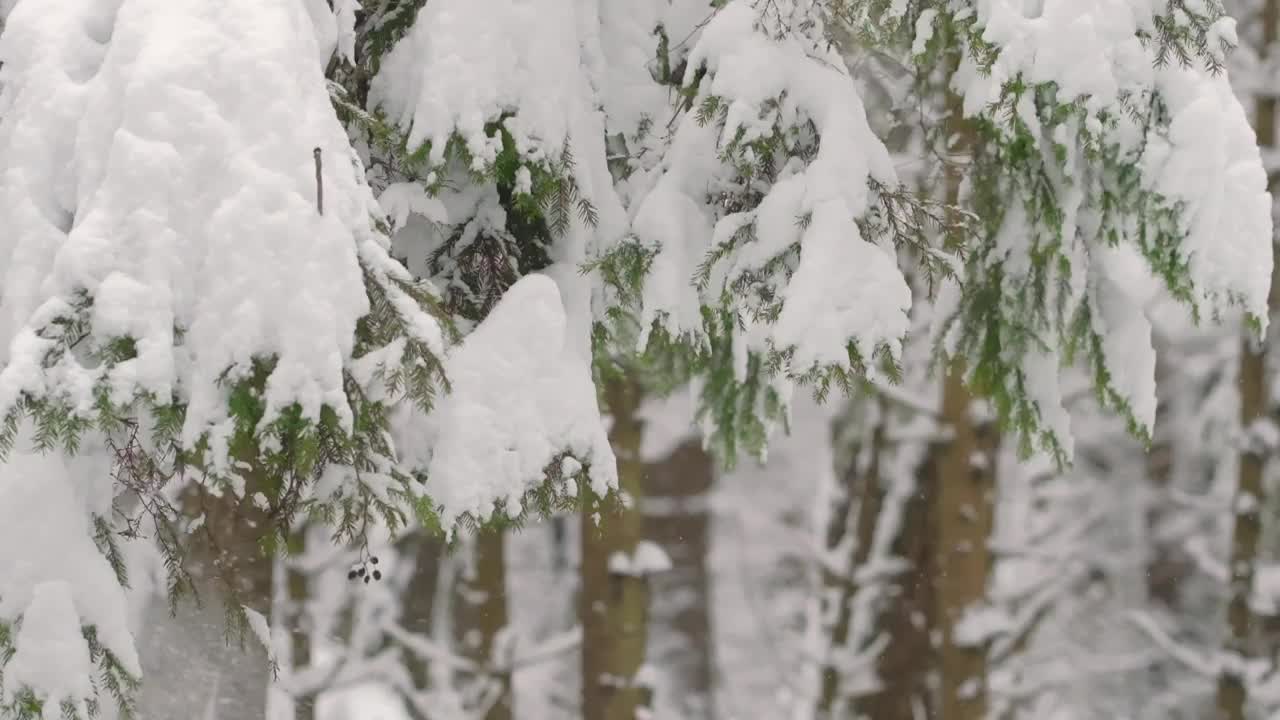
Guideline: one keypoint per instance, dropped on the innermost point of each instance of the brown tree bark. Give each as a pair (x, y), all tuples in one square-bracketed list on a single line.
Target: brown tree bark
[(901, 606), (906, 614), (1167, 563), (613, 607), (480, 613), (1232, 694), (680, 615), (297, 586), (417, 609), (963, 515)]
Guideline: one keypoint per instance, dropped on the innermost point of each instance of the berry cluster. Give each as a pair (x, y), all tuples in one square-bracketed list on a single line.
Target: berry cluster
[(361, 570)]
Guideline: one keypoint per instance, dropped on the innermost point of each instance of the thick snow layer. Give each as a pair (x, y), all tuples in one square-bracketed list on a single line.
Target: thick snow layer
[(51, 659), (157, 155), (1120, 319), (51, 566), (467, 62), (624, 61), (1208, 159), (843, 288), (1203, 159), (674, 218), (1210, 162), (520, 396)]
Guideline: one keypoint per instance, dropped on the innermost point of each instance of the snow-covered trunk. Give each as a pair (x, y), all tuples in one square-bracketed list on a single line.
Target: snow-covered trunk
[(613, 605), (678, 519), (1232, 694), (851, 530), (193, 662), (845, 518), (877, 574), (480, 617)]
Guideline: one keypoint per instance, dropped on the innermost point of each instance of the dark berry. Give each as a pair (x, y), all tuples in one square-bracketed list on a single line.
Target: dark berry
[(351, 575), (366, 580), (374, 559), (360, 572), (377, 574)]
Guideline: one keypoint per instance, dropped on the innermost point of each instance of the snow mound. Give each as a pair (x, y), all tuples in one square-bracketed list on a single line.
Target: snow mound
[(184, 152), (55, 579), (521, 396), (465, 63)]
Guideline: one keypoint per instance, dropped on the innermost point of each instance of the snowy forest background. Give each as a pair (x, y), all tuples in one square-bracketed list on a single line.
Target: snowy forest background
[(639, 359)]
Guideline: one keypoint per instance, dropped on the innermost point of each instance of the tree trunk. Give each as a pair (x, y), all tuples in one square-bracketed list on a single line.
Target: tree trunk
[(1232, 696), (680, 626), (963, 515), (417, 605), (191, 667), (297, 587), (964, 504), (613, 607), (905, 614), (1167, 564), (1232, 693), (480, 615)]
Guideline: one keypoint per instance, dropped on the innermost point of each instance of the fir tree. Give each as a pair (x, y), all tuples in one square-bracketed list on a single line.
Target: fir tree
[(283, 255)]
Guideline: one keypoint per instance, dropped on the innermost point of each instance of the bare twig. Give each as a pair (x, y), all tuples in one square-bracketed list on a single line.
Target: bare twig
[(319, 183)]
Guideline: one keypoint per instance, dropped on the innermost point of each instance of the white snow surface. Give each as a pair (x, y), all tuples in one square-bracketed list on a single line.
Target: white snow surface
[(648, 558), (1209, 157), (51, 658), (1210, 162), (1120, 296), (157, 155), (466, 62), (54, 577), (622, 60), (844, 288), (520, 396), (1205, 160)]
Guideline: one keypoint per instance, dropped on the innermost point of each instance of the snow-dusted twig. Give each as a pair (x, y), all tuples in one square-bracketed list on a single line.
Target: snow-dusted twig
[(427, 650), (555, 646), (1192, 660)]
